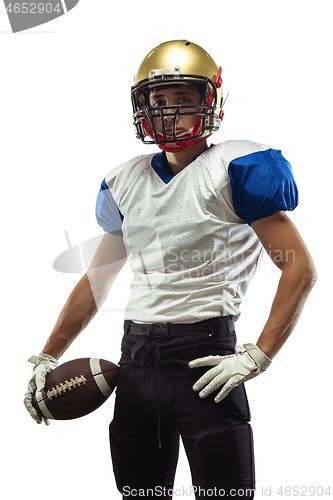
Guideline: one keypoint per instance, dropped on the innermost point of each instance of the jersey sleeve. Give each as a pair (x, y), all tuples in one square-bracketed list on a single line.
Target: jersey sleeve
[(108, 214), (262, 183)]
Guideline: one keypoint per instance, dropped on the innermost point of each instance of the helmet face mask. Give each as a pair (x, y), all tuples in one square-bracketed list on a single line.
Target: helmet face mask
[(149, 122)]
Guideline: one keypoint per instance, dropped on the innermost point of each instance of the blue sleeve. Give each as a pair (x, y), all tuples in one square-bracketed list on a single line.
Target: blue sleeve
[(108, 214), (262, 183)]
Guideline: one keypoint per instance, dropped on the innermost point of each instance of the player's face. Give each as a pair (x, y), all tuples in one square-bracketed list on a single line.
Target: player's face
[(173, 96)]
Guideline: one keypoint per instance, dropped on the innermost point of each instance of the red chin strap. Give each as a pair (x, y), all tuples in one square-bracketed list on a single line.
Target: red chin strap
[(180, 146)]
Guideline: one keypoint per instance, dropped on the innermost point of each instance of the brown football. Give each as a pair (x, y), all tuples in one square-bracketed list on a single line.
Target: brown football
[(76, 388)]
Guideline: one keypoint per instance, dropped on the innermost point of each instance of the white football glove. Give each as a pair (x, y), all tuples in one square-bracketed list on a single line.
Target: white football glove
[(44, 364), (230, 370)]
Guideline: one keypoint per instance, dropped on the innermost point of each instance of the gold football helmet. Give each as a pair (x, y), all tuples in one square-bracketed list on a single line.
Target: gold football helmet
[(178, 62)]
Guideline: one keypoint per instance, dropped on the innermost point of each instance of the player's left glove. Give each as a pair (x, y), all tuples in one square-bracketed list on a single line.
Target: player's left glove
[(231, 370)]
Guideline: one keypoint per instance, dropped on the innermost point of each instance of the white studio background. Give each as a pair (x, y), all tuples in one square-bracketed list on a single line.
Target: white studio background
[(65, 121)]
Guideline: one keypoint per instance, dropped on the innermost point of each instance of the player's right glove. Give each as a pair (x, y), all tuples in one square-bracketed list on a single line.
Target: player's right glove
[(44, 364)]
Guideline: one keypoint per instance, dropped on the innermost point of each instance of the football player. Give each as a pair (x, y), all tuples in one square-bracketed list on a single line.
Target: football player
[(193, 222)]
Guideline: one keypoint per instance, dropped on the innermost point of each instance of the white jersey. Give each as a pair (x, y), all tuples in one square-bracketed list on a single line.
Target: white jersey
[(188, 236)]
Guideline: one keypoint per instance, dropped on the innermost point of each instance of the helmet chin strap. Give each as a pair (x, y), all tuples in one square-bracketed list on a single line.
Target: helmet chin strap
[(181, 146)]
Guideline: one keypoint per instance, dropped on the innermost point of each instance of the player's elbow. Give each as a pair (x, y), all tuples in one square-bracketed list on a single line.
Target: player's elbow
[(302, 266), (310, 275), (308, 271)]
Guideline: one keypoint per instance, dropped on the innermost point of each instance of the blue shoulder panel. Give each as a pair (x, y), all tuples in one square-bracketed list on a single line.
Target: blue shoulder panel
[(108, 214), (262, 183)]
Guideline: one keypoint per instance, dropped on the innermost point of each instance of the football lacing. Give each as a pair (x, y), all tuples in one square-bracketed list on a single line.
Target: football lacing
[(73, 383)]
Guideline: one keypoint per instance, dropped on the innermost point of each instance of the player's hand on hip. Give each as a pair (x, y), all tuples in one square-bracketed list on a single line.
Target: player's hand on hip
[(231, 370), (44, 364)]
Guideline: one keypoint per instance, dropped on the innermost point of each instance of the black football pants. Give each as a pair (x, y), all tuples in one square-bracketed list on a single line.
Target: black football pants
[(155, 404)]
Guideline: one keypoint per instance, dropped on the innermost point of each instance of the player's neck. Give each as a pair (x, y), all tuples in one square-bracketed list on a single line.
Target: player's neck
[(178, 161)]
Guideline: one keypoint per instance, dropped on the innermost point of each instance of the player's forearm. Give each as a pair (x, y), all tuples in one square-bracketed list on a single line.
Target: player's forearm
[(294, 287), (78, 311)]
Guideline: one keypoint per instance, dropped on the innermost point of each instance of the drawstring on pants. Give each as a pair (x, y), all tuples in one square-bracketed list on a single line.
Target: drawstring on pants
[(157, 386), (145, 352)]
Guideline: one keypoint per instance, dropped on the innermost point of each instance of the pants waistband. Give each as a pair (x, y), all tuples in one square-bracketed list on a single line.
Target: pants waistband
[(160, 330)]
